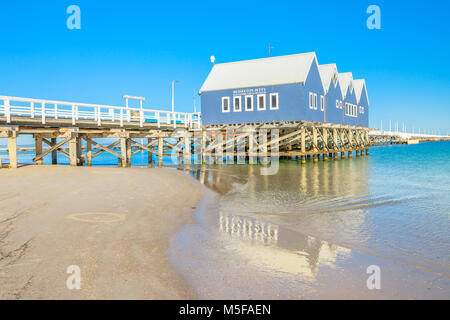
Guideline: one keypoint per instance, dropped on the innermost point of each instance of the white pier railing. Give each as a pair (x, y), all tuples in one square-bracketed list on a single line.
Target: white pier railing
[(49, 109), (404, 135)]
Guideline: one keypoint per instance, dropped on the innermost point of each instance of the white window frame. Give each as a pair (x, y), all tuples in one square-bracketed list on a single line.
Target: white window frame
[(251, 106), (270, 103), (315, 101), (337, 104), (322, 103), (355, 111), (263, 95), (234, 104), (229, 106), (311, 106)]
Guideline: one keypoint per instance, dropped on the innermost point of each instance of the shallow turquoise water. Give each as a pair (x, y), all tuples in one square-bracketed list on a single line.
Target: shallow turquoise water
[(311, 231)]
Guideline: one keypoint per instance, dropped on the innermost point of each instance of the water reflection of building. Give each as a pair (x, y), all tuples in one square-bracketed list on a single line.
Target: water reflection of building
[(272, 247)]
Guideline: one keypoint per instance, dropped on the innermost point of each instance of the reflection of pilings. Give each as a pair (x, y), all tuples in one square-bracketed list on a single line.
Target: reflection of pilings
[(298, 250), (248, 229)]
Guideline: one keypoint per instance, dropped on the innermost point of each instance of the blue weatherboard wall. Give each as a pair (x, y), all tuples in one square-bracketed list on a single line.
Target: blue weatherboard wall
[(350, 97), (293, 102), (364, 102), (333, 114)]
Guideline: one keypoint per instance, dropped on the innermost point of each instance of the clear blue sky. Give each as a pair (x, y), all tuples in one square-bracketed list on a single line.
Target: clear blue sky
[(139, 47)]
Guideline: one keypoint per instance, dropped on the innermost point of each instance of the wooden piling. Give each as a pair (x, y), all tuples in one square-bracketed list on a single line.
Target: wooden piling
[(74, 149), (89, 152), (128, 142), (187, 149), (12, 150), (203, 147), (150, 154), (123, 151), (303, 144), (160, 151), (54, 152), (251, 148), (38, 149)]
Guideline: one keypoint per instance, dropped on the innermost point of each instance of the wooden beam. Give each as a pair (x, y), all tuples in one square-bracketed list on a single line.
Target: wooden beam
[(147, 147), (292, 134), (52, 144), (105, 149), (56, 146)]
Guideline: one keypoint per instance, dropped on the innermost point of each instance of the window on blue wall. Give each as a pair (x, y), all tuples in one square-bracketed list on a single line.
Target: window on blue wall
[(337, 104), (225, 104), (315, 101), (311, 97), (355, 111), (322, 103), (261, 102), (237, 104), (248, 103), (274, 101)]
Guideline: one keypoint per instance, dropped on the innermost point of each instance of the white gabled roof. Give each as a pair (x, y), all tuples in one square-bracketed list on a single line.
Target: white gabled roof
[(327, 71), (359, 84), (260, 72), (345, 79)]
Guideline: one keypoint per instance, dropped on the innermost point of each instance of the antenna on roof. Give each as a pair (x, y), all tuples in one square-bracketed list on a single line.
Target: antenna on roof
[(213, 59), (270, 49)]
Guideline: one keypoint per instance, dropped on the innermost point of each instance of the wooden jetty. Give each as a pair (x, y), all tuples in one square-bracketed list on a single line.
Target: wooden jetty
[(77, 129)]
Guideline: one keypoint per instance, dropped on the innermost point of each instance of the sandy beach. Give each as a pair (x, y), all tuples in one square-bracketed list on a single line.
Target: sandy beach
[(115, 224)]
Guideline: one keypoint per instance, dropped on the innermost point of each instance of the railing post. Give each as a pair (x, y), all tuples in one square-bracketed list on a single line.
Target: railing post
[(158, 119), (141, 118), (76, 113), (43, 112), (174, 120), (99, 116), (56, 111), (121, 117), (73, 114), (32, 109), (7, 111)]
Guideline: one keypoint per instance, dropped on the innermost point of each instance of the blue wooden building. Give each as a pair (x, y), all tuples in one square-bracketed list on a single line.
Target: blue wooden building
[(284, 88), (333, 94)]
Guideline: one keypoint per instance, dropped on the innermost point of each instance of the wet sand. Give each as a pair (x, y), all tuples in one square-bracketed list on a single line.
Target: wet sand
[(115, 224)]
